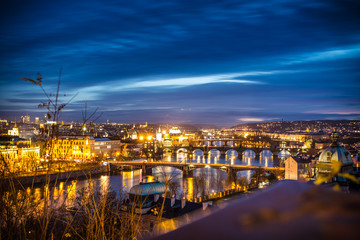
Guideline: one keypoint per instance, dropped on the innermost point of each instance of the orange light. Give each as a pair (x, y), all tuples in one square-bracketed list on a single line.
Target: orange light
[(149, 137)]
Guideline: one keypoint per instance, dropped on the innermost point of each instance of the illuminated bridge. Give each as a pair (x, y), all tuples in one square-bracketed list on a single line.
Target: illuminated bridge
[(206, 150), (187, 167)]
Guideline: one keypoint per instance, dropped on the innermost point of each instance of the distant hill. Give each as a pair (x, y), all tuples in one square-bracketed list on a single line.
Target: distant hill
[(302, 125)]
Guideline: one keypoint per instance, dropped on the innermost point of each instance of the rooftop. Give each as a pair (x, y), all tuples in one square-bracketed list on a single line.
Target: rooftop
[(151, 188)]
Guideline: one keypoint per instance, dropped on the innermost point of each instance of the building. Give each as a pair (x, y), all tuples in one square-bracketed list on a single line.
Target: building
[(320, 145), (298, 168), (10, 159), (159, 134), (17, 153), (27, 131), (143, 125), (174, 131), (25, 119), (167, 142), (335, 153), (14, 131), (133, 134), (105, 147), (72, 147)]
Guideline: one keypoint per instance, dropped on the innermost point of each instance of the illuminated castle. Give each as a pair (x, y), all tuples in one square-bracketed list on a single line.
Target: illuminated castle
[(14, 131)]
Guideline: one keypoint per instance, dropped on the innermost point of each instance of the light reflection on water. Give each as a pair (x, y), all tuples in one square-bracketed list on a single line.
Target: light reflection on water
[(214, 180)]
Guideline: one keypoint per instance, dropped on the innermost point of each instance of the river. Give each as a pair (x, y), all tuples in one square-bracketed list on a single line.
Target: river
[(206, 180)]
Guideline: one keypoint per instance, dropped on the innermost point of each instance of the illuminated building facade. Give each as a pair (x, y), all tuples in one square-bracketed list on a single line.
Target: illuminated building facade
[(9, 155), (174, 131), (133, 134), (72, 147), (159, 134), (297, 168), (14, 131), (105, 147), (167, 142), (17, 153)]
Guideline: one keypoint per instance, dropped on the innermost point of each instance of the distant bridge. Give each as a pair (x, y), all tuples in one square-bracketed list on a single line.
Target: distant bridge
[(225, 149), (187, 167)]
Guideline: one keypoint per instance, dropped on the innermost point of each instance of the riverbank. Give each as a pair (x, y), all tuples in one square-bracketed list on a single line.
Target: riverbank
[(60, 176)]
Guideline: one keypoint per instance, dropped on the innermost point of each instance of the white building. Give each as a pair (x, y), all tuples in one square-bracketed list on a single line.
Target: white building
[(297, 168)]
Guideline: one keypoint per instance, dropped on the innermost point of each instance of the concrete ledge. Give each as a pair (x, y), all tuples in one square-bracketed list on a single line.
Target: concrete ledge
[(287, 210)]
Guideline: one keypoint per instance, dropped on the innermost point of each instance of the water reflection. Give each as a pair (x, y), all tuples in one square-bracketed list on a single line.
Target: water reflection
[(71, 192), (202, 181)]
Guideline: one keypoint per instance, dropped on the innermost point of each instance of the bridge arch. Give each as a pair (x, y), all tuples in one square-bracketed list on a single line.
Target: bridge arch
[(214, 152), (230, 143), (218, 143), (266, 154), (232, 153), (198, 152), (164, 170), (248, 153), (183, 150), (284, 154)]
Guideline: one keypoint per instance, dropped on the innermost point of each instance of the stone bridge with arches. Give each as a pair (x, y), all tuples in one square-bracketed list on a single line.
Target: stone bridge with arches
[(185, 167), (225, 150)]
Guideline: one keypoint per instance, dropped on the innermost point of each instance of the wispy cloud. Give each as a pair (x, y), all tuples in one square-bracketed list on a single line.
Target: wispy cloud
[(93, 92), (337, 112), (326, 55), (254, 119), (189, 81)]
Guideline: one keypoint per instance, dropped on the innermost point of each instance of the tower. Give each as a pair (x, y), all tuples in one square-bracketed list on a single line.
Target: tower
[(159, 135)]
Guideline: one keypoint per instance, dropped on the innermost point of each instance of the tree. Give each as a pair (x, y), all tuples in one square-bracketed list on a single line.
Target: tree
[(218, 182), (54, 108), (258, 176), (168, 180), (242, 181)]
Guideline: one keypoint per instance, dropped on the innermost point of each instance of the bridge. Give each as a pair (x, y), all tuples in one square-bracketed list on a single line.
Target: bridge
[(187, 167), (225, 149)]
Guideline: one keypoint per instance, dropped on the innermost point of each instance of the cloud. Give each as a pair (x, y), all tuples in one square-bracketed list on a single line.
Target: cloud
[(209, 56), (94, 92), (337, 112), (326, 55), (188, 81), (255, 119)]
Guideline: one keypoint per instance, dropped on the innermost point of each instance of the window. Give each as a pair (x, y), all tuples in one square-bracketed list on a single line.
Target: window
[(328, 156)]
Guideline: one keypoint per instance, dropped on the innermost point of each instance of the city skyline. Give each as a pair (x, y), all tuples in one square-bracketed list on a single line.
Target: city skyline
[(220, 63)]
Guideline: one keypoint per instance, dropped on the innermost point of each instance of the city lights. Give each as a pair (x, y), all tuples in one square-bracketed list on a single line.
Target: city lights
[(180, 120)]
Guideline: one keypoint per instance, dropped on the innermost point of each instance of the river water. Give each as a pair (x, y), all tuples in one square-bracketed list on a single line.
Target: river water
[(206, 180)]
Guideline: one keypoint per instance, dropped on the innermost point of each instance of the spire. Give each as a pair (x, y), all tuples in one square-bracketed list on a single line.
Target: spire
[(15, 125), (335, 139)]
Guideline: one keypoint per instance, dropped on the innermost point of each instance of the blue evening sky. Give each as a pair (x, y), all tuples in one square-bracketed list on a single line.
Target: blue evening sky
[(216, 62)]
